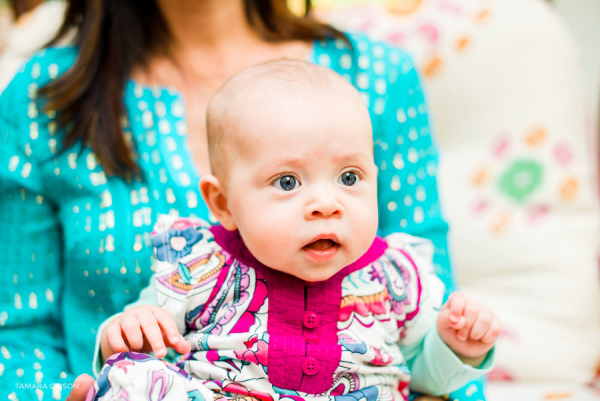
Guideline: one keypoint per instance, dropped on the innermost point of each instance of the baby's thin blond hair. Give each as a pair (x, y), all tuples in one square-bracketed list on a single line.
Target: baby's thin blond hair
[(283, 79)]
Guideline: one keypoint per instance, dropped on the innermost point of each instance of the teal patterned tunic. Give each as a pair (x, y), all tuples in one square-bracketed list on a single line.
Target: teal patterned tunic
[(75, 243)]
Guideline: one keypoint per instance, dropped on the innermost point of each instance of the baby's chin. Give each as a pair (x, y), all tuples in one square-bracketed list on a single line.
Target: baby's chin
[(311, 271), (313, 275)]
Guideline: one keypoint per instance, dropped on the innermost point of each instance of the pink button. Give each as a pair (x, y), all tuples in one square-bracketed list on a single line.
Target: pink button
[(311, 320), (310, 366), (312, 338)]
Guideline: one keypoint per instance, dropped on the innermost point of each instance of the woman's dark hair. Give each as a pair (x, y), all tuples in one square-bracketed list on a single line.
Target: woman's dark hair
[(113, 37)]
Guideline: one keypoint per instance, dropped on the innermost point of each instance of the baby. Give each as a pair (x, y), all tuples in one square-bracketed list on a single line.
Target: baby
[(293, 295)]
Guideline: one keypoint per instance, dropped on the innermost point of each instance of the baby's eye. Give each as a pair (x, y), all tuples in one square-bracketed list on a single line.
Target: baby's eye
[(286, 183), (348, 179)]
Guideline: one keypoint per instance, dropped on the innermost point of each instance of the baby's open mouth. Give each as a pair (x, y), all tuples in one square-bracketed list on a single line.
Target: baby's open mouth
[(322, 249), (321, 244)]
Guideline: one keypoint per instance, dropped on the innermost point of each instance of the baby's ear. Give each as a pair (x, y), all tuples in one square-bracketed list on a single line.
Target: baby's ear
[(214, 195)]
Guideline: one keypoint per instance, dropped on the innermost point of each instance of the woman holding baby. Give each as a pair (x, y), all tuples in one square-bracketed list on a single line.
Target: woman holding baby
[(101, 137)]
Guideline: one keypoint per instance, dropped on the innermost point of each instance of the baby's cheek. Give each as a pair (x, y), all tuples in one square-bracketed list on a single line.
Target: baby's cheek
[(363, 221), (268, 236)]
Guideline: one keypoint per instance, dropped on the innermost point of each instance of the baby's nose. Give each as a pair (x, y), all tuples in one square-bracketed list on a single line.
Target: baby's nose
[(324, 207)]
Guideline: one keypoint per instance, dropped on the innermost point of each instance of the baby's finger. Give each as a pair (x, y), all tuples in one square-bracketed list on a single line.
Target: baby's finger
[(444, 322), (169, 330), (183, 347), (114, 337), (131, 328), (493, 332), (470, 313), (167, 325), (151, 331), (482, 324), (456, 304)]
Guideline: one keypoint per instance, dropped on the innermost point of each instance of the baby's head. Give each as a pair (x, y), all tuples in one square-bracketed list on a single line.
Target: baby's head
[(291, 154)]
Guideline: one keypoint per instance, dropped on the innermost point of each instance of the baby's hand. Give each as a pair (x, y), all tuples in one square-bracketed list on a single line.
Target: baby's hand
[(468, 328), (143, 328)]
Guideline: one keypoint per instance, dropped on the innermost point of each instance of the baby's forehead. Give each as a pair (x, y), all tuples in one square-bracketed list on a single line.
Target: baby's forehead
[(284, 103), (290, 125), (289, 111)]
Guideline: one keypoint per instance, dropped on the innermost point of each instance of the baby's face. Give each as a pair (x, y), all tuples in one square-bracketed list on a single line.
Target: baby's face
[(302, 184)]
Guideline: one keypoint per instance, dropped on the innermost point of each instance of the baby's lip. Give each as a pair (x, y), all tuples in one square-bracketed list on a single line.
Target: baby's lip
[(321, 245), (323, 248), (323, 241)]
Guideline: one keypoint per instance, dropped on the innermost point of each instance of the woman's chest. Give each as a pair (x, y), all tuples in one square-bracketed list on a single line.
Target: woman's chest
[(107, 221)]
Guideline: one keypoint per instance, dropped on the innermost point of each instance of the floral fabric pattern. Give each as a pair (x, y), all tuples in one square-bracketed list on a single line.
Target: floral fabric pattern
[(388, 299)]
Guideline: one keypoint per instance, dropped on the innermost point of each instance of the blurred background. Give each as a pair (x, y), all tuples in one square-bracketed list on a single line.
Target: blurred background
[(514, 94)]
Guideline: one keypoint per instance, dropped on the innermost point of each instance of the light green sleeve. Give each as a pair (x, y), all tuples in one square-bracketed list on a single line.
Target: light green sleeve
[(147, 297), (436, 369)]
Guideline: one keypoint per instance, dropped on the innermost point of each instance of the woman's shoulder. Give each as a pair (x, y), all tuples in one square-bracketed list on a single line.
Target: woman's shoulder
[(386, 79), (61, 56), (362, 54), (41, 68), (384, 75), (21, 109)]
